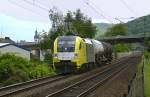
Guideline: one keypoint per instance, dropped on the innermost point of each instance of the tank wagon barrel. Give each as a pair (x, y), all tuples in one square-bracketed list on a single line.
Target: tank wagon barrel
[(103, 51)]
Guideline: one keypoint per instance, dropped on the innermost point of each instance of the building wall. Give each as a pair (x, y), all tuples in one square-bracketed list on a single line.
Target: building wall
[(36, 53), (41, 56), (16, 50)]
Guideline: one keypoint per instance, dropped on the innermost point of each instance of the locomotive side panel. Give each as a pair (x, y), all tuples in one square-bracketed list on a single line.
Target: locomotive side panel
[(89, 51)]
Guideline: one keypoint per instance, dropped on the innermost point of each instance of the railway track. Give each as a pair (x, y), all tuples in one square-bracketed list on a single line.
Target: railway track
[(15, 90), (83, 87), (21, 87)]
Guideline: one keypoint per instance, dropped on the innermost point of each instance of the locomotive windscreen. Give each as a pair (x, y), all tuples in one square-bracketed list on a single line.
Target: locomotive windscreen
[(66, 44)]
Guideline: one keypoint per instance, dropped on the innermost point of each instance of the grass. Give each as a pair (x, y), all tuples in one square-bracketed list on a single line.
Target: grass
[(147, 76)]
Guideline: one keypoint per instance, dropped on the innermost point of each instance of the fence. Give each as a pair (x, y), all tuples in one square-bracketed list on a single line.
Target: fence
[(136, 84)]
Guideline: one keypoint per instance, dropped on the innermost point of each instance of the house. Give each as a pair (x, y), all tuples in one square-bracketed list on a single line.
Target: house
[(36, 52), (16, 49), (33, 47)]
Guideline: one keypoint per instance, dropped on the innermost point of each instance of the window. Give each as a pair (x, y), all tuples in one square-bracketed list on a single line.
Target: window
[(66, 44)]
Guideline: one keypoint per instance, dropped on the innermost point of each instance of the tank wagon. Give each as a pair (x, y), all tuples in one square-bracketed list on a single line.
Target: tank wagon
[(73, 53)]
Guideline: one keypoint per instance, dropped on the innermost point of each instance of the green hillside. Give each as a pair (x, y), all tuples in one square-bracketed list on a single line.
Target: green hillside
[(135, 27), (139, 26), (101, 28)]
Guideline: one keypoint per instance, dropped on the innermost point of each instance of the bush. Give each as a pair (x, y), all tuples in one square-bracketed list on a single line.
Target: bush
[(147, 75), (41, 70), (14, 69), (48, 58), (121, 47)]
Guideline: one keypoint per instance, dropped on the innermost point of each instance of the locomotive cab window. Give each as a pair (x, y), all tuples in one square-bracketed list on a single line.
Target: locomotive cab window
[(66, 44)]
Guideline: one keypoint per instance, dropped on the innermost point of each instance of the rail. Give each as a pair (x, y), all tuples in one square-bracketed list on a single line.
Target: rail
[(82, 88), (17, 88)]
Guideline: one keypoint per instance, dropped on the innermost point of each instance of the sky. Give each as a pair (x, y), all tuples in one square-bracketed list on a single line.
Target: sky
[(20, 18)]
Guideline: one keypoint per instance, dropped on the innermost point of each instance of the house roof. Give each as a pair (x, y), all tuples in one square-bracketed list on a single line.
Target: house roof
[(7, 44), (28, 43), (2, 44), (6, 40)]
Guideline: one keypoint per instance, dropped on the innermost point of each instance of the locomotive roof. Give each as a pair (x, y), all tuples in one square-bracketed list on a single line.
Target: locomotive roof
[(66, 37), (88, 41), (96, 41)]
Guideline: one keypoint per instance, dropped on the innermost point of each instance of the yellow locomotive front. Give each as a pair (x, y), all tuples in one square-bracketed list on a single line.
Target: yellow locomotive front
[(69, 54)]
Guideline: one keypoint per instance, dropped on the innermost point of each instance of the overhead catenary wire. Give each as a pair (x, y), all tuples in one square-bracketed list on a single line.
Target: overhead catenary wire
[(123, 18), (100, 12), (51, 3), (47, 6), (51, 6), (128, 7), (39, 6), (108, 18), (100, 9), (17, 4)]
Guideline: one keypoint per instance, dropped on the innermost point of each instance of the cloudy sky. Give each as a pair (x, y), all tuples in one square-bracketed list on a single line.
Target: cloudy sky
[(20, 18)]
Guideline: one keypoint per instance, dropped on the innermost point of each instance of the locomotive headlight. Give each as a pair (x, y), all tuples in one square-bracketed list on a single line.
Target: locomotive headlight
[(55, 55)]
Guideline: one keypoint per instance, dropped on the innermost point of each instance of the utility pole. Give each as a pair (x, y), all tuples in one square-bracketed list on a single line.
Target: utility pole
[(1, 31)]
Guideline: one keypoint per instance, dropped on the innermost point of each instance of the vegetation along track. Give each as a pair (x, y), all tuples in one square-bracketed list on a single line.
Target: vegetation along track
[(83, 87), (32, 87), (15, 89), (21, 87)]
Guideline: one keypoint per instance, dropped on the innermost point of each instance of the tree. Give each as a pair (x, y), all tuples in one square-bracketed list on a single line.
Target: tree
[(72, 23), (83, 25), (57, 29), (118, 29)]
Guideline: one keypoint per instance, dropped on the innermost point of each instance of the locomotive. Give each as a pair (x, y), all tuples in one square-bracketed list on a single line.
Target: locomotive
[(73, 53)]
